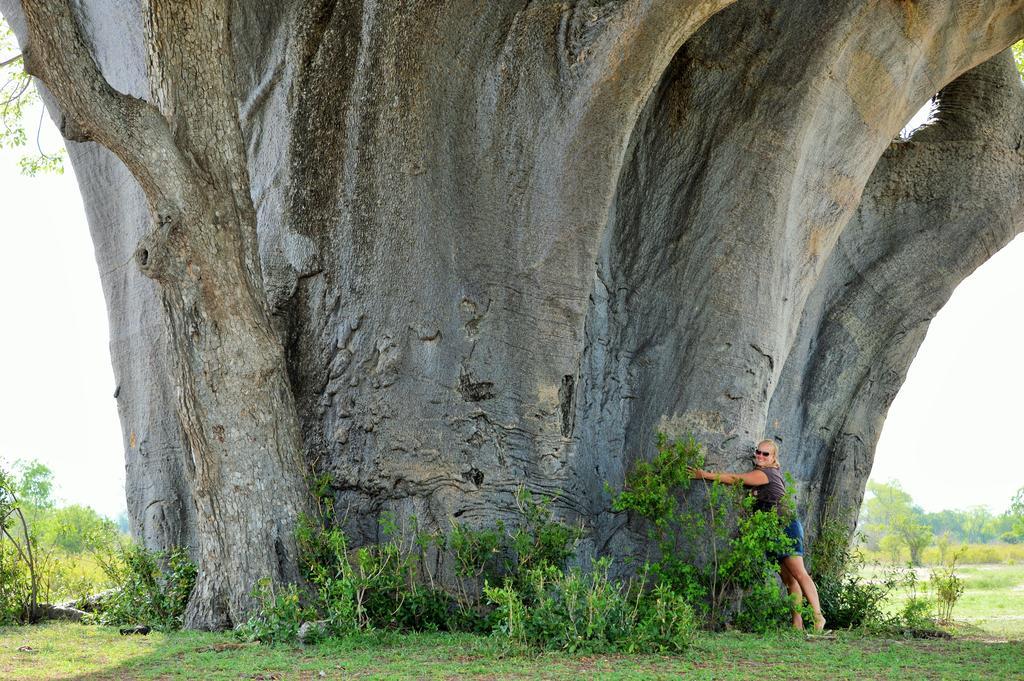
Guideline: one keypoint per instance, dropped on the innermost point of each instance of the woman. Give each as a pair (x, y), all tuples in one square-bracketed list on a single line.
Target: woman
[(768, 488)]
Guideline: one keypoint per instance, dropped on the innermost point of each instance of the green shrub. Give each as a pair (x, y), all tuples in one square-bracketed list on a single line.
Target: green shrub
[(667, 623), (389, 594), (324, 559), (915, 616), (144, 592), (848, 600), (392, 584), (379, 586), (540, 540), (279, 614), (587, 612), (948, 589), (15, 586), (735, 581)]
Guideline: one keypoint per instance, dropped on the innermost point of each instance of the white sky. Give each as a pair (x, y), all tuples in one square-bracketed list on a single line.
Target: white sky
[(949, 437), (56, 383), (951, 431)]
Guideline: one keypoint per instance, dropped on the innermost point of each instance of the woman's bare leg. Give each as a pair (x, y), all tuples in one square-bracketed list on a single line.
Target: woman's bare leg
[(795, 593), (795, 565)]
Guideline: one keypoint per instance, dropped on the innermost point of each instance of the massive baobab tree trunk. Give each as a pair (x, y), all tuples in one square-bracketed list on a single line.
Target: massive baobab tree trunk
[(504, 243)]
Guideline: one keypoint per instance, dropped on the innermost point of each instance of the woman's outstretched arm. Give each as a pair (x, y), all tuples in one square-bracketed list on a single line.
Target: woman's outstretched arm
[(751, 479)]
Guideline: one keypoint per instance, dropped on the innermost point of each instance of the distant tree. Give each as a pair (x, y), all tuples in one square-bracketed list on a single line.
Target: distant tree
[(1016, 517), (888, 503), (74, 528), (34, 484), (891, 546), (71, 528), (948, 522), (979, 525), (891, 521), (915, 535), (943, 542)]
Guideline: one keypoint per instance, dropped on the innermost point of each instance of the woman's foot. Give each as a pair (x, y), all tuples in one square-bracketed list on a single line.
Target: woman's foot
[(798, 621), (819, 622)]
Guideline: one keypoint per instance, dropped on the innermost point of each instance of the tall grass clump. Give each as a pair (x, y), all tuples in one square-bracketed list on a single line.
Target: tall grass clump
[(578, 611)]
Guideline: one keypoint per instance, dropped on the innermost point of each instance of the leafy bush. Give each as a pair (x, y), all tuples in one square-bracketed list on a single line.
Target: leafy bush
[(667, 622), (735, 579), (948, 590), (383, 585), (493, 554), (324, 556), (916, 615), (850, 600), (145, 592), (15, 586), (279, 615), (847, 599), (393, 585), (541, 540)]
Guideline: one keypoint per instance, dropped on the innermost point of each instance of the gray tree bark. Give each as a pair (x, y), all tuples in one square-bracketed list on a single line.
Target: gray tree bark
[(725, 224), (504, 243)]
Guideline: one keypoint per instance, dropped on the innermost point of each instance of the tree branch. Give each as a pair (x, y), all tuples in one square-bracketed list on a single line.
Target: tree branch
[(132, 129), (641, 41), (935, 208)]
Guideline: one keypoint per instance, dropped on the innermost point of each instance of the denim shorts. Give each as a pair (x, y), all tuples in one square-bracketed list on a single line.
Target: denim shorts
[(795, 531)]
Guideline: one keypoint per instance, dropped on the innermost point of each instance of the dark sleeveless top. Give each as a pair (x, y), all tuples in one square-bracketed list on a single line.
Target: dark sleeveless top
[(767, 497)]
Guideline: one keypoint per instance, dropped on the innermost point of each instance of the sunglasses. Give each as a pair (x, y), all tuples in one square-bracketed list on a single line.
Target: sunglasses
[(762, 453)]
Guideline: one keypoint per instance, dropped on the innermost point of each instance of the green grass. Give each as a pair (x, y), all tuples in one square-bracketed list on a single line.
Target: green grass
[(990, 612), (69, 651)]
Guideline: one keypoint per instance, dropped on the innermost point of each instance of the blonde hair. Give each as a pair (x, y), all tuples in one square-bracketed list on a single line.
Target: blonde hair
[(775, 453)]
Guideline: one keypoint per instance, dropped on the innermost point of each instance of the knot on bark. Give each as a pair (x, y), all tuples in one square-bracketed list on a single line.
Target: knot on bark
[(70, 129), (32, 66), (151, 254), (475, 391)]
